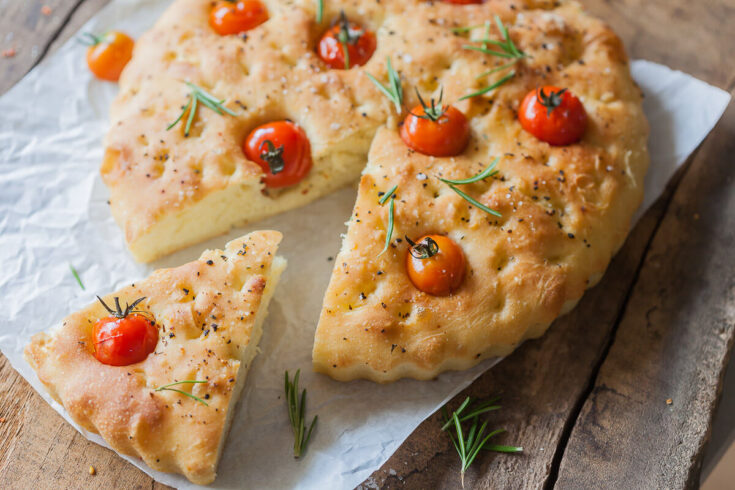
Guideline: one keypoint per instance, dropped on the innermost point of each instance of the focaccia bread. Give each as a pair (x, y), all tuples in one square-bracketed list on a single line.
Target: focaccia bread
[(168, 191), (209, 314), (565, 210)]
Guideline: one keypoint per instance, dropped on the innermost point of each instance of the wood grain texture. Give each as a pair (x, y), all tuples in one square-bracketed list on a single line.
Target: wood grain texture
[(547, 382), (672, 343)]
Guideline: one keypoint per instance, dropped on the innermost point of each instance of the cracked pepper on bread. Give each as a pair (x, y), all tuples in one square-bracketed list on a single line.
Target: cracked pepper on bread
[(209, 315), (563, 210)]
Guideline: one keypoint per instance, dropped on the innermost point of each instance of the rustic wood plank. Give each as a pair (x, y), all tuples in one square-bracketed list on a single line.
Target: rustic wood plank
[(38, 449), (541, 383), (672, 344), (540, 408), (28, 28), (541, 394)]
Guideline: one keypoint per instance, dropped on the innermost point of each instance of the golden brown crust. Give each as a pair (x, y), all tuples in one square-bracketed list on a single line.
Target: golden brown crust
[(565, 210), (206, 313)]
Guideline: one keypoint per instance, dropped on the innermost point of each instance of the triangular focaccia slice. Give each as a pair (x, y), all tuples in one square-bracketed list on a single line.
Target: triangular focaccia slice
[(209, 315)]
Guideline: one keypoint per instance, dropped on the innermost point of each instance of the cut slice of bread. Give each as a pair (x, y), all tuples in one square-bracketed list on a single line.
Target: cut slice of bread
[(210, 315)]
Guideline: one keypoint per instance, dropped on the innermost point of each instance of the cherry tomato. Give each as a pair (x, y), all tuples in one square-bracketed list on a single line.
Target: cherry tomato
[(234, 17), (108, 54), (442, 136), (124, 341), (282, 150), (346, 36), (463, 2), (553, 115), (435, 264)]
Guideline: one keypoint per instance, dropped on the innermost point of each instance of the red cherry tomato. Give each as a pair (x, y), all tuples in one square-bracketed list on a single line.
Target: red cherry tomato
[(448, 135), (435, 264), (237, 16), (553, 115), (282, 150), (124, 341), (346, 36), (108, 54)]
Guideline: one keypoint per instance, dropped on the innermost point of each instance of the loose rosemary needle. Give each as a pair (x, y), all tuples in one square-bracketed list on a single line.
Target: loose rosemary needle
[(468, 443), (488, 172), (182, 392), (296, 414), (76, 276), (391, 194)]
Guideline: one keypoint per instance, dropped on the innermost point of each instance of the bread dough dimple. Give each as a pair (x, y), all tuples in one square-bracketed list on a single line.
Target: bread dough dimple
[(565, 210)]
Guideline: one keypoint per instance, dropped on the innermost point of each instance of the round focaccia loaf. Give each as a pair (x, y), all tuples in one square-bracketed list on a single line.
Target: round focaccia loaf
[(565, 210)]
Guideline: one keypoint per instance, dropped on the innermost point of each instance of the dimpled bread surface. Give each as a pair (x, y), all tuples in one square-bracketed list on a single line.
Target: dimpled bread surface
[(565, 210), (209, 315)]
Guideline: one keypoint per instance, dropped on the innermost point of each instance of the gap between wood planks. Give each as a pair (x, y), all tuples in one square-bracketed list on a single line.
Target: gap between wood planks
[(667, 197)]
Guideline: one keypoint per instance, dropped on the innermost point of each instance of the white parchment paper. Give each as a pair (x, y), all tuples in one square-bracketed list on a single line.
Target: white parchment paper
[(53, 213)]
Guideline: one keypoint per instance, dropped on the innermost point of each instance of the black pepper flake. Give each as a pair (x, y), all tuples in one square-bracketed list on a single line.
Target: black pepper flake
[(393, 347), (210, 262), (186, 291), (570, 235)]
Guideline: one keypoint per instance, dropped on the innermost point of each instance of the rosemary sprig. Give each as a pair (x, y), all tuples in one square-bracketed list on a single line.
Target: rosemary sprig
[(391, 194), (76, 276), (488, 172), (474, 202), (469, 443), (196, 96), (394, 90), (490, 87), (347, 36), (319, 11), (296, 409), (507, 47), (182, 392)]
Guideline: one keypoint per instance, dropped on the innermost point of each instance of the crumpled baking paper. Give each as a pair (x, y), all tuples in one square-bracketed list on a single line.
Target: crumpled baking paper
[(53, 214)]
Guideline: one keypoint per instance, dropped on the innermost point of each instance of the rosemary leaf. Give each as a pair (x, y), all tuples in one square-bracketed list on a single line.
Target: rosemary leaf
[(389, 232), (296, 414), (491, 87), (319, 11), (76, 276), (394, 90), (196, 96), (488, 172), (474, 202), (388, 194), (182, 392)]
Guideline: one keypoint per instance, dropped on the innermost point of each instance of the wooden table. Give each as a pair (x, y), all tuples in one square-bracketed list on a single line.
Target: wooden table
[(620, 393)]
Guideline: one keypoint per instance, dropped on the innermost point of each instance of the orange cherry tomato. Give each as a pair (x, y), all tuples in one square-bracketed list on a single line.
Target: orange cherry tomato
[(108, 54), (346, 37), (553, 115), (435, 264), (124, 338), (445, 133), (234, 17), (282, 150)]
